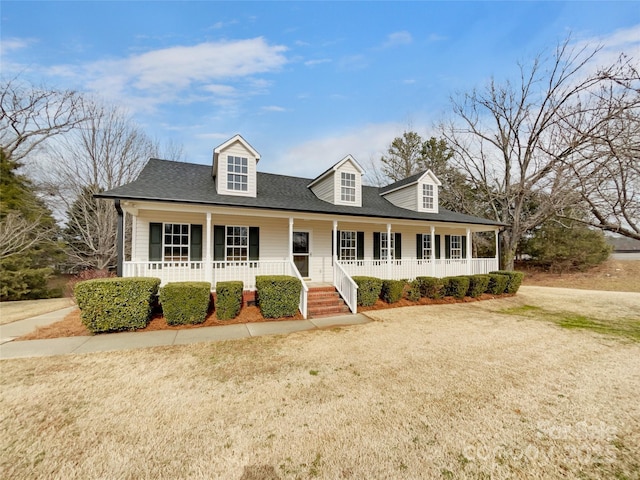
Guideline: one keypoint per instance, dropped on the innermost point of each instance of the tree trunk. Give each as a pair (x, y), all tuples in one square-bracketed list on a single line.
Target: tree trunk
[(508, 247)]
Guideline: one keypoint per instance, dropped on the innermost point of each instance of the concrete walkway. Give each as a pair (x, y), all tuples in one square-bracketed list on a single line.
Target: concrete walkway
[(9, 348)]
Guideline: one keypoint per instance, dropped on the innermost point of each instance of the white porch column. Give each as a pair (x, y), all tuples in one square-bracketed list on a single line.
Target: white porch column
[(291, 238), (497, 257), (389, 266), (124, 236), (134, 236), (433, 251), (208, 275), (469, 254), (334, 253)]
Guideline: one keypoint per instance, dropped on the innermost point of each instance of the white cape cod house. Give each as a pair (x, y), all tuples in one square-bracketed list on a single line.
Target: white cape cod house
[(191, 222)]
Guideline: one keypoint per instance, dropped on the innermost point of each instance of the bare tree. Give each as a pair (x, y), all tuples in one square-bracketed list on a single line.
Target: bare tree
[(19, 235), (607, 175), (516, 142), (30, 115), (107, 151)]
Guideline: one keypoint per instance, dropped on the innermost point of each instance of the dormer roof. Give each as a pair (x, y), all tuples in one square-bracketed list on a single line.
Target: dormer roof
[(237, 138), (413, 179), (335, 168)]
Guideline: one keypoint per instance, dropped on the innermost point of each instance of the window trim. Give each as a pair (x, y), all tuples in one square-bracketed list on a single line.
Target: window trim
[(383, 240), (457, 249), (353, 248), (348, 187), (237, 173), (181, 245), (428, 198), (426, 250), (232, 246)]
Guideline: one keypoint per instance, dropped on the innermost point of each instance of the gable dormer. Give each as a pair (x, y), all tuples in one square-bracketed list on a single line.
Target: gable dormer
[(341, 184), (234, 167), (418, 192)]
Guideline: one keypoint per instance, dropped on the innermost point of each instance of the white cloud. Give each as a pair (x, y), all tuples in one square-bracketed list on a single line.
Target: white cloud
[(222, 90), (181, 73), (612, 45), (311, 63), (398, 38), (12, 44), (273, 108), (366, 143)]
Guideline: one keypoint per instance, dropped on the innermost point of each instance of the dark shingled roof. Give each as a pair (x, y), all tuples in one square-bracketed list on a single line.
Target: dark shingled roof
[(169, 181), (403, 182)]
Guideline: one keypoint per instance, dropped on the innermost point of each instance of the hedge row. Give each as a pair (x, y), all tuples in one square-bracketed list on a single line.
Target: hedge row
[(391, 291), (114, 304), (278, 295), (228, 299), (185, 302)]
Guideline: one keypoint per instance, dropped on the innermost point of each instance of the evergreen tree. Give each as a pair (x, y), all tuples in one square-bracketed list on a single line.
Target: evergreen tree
[(561, 245), (410, 154), (28, 231)]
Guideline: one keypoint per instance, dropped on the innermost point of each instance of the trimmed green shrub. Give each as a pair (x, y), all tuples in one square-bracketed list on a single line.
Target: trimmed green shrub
[(431, 287), (514, 282), (456, 287), (478, 285), (278, 295), (413, 290), (392, 290), (114, 304), (369, 289), (228, 299), (497, 283), (185, 302)]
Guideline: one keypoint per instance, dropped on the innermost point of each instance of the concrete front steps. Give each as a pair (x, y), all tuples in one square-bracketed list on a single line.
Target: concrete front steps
[(325, 301)]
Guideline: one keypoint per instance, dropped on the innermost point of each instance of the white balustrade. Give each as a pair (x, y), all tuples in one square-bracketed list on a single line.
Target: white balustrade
[(345, 285)]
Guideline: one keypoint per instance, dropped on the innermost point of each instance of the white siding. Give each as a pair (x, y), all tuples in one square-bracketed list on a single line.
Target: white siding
[(146, 217), (324, 189), (236, 149), (347, 167), (404, 198), (435, 196), (274, 232)]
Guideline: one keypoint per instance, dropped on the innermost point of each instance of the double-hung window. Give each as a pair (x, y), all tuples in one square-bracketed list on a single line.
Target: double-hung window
[(348, 245), (426, 247), (347, 187), (427, 196), (385, 245), (176, 242), (237, 244), (456, 247), (237, 173)]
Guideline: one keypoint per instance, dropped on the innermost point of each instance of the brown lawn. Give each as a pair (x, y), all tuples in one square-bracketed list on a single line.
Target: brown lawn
[(495, 389), (612, 275)]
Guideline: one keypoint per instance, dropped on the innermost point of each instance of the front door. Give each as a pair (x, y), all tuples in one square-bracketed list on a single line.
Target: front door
[(301, 252)]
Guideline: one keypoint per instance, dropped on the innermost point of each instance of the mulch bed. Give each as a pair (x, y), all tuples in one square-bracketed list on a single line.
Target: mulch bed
[(71, 325)]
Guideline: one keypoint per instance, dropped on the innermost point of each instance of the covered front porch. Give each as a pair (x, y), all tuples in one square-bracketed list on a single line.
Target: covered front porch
[(226, 244)]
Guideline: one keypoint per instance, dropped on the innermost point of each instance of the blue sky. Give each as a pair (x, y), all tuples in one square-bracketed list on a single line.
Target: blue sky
[(304, 83)]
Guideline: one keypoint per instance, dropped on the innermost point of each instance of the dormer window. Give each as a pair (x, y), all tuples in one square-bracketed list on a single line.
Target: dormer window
[(347, 187), (237, 172), (427, 196)]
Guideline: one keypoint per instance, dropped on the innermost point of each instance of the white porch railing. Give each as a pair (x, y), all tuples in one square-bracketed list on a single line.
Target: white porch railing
[(345, 285), (412, 268), (215, 272), (207, 272), (166, 271), (304, 293)]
